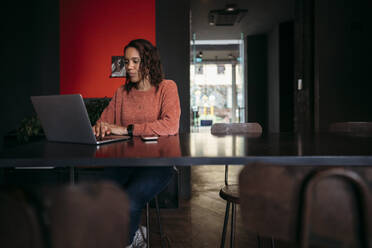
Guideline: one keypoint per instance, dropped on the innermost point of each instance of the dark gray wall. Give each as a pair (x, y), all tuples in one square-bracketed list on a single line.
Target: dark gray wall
[(257, 79), (173, 42), (343, 47), (29, 55), (273, 80), (280, 78), (286, 76)]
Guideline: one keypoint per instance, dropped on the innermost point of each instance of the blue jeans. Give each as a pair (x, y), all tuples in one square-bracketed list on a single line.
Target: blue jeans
[(141, 184)]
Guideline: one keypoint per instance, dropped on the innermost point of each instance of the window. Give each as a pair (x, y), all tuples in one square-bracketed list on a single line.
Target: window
[(220, 69), (199, 69)]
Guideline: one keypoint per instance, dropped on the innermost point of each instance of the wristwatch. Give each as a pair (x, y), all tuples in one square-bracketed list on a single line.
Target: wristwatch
[(130, 130)]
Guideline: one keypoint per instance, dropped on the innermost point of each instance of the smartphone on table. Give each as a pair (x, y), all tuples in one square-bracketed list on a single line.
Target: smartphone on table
[(152, 138)]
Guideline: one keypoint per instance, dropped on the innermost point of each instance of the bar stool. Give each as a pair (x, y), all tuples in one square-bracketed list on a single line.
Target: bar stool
[(148, 222)]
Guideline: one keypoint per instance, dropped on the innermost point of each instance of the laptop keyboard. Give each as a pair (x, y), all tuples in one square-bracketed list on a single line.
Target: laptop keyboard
[(110, 137)]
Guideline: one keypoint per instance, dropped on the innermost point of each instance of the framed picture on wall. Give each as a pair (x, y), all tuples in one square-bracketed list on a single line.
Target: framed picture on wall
[(117, 66)]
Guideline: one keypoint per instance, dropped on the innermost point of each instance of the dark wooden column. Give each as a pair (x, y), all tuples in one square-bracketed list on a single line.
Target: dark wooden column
[(304, 66), (173, 43)]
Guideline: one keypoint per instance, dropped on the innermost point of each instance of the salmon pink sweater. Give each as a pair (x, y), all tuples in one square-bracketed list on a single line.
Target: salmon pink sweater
[(151, 112)]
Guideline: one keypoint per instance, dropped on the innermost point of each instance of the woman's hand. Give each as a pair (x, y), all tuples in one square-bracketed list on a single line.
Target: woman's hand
[(101, 129)]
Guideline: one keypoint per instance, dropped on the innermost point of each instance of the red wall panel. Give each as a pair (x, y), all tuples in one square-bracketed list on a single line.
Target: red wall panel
[(91, 31)]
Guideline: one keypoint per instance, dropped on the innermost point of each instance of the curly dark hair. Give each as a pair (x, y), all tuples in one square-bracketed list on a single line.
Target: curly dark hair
[(150, 65)]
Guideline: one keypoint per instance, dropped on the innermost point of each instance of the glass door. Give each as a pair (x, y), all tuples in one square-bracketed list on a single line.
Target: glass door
[(216, 82)]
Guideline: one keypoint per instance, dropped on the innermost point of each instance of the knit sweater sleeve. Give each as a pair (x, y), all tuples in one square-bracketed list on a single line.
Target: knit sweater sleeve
[(170, 111)]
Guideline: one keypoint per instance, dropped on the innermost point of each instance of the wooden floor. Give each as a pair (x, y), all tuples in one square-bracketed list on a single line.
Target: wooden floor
[(198, 222)]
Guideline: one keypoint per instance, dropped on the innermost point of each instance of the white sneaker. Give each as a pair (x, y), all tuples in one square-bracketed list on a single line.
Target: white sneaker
[(139, 240)]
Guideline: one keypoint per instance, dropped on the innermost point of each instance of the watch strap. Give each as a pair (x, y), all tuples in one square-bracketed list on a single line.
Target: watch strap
[(130, 129)]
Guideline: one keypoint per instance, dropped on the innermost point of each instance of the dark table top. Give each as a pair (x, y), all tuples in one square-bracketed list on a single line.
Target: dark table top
[(199, 149)]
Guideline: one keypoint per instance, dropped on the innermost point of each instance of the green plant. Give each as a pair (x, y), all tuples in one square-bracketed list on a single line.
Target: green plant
[(30, 127)]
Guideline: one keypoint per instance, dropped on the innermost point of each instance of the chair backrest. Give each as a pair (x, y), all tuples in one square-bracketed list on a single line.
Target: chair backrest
[(79, 216), (236, 128), (328, 207), (354, 128), (19, 226)]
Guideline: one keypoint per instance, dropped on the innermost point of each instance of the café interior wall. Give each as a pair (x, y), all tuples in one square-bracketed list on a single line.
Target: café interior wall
[(30, 62), (173, 42), (273, 81), (29, 58), (343, 38), (91, 31), (257, 76)]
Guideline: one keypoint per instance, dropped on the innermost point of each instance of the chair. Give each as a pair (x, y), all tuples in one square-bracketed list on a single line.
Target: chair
[(230, 192), (352, 128), (305, 204), (84, 215)]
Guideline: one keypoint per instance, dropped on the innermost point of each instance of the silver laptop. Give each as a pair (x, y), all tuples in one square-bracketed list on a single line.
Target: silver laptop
[(64, 118)]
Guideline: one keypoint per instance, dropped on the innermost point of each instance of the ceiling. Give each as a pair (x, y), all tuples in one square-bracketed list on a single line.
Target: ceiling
[(261, 17)]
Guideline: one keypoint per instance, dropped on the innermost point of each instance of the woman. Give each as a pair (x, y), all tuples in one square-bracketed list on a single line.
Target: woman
[(146, 105)]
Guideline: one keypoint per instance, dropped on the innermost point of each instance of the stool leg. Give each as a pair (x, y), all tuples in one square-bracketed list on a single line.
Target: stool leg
[(272, 242), (233, 217), (225, 224), (159, 223), (258, 241), (148, 224)]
